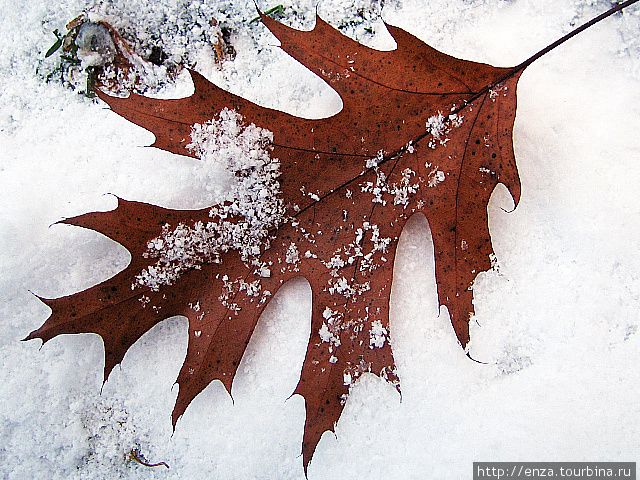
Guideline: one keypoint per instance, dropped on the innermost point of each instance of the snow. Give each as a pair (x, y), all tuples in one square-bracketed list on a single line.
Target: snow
[(556, 319)]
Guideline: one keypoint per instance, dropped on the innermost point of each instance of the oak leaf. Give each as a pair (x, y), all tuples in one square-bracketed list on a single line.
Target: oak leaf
[(326, 199)]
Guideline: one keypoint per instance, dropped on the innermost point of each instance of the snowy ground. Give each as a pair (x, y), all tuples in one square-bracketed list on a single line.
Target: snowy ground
[(557, 320)]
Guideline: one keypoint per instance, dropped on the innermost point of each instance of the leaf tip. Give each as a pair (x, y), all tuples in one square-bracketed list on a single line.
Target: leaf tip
[(31, 336), (110, 362), (36, 335), (175, 416), (47, 301)]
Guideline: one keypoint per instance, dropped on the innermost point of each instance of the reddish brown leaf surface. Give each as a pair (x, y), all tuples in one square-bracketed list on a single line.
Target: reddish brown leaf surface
[(441, 131)]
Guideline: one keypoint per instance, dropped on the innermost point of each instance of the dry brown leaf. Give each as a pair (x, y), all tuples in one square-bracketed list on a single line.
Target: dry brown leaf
[(420, 131)]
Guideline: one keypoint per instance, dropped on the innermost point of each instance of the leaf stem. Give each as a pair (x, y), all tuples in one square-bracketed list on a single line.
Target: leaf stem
[(569, 35), (519, 68)]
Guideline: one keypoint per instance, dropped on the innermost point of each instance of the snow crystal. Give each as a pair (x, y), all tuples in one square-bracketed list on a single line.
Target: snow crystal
[(374, 162), (328, 313), (232, 287), (495, 92), (292, 254), (436, 125), (439, 125), (377, 334), (376, 189), (263, 271), (241, 223), (354, 251), (330, 330), (334, 264), (380, 244), (435, 177), (410, 148), (343, 287), (400, 191), (253, 289), (456, 120), (144, 300), (325, 334)]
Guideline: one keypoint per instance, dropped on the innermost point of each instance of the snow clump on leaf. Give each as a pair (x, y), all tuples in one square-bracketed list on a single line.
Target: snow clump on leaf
[(242, 222)]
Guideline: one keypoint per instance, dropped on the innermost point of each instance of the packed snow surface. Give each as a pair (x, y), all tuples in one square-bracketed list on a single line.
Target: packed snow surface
[(557, 318)]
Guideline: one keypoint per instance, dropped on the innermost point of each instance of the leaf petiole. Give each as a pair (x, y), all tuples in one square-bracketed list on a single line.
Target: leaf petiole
[(569, 35)]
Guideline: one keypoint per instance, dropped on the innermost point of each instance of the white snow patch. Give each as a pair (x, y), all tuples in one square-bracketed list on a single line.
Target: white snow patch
[(374, 162), (342, 286)]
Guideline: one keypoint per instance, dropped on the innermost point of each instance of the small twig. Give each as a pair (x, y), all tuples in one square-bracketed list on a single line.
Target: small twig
[(134, 456)]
